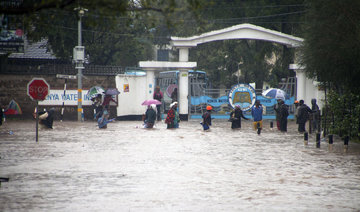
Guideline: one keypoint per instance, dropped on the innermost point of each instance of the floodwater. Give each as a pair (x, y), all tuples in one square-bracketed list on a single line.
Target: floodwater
[(77, 167)]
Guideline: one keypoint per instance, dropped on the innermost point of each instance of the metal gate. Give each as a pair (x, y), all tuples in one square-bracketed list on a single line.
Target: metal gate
[(200, 95), (218, 99), (168, 80)]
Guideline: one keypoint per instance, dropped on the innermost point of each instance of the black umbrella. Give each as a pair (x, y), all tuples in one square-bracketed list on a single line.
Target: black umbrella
[(112, 91)]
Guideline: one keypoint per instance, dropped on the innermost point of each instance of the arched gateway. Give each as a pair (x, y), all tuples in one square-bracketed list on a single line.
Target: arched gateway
[(242, 31)]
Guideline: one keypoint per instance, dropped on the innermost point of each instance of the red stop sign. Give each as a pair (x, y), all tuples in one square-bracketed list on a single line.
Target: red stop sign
[(38, 89)]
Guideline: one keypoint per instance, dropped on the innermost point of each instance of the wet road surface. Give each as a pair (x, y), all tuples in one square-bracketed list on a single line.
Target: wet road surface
[(77, 167)]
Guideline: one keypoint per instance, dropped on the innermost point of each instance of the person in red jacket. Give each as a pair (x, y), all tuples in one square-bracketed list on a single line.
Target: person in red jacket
[(107, 100), (172, 119)]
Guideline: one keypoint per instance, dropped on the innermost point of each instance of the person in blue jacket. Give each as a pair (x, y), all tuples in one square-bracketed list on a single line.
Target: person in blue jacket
[(256, 113)]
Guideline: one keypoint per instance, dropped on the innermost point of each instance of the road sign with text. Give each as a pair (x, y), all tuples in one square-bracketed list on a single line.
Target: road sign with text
[(38, 89)]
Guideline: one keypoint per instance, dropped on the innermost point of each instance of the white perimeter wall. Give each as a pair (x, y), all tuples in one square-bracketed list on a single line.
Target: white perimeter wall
[(313, 92), (130, 102)]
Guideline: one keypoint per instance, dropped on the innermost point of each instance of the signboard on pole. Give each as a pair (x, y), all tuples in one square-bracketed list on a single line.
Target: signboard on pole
[(38, 89)]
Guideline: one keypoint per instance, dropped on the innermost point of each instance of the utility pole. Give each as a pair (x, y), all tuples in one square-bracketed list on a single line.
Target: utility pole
[(79, 58)]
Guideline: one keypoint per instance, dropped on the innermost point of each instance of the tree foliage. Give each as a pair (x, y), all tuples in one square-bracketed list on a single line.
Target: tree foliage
[(343, 114), (332, 45), (114, 32), (331, 55), (122, 32), (225, 58), (260, 61)]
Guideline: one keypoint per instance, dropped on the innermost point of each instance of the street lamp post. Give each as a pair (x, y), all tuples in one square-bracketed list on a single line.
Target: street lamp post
[(239, 71), (79, 57)]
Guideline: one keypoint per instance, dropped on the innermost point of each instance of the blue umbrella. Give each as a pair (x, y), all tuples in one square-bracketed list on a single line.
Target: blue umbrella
[(275, 93)]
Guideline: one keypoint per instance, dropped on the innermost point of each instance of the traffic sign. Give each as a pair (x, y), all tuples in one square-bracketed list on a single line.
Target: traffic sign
[(38, 89), (65, 76)]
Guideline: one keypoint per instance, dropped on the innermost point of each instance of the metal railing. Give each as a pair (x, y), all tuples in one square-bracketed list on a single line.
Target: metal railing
[(51, 69)]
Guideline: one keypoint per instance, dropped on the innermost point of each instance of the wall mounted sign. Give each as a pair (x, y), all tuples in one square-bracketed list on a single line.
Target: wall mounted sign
[(243, 95), (126, 88)]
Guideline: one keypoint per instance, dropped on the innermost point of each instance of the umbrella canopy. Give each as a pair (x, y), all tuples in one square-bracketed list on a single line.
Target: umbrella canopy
[(170, 89), (13, 108), (94, 91), (275, 93), (112, 91), (151, 101)]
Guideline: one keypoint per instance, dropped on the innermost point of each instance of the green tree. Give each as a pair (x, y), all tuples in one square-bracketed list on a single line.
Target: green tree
[(331, 55), (223, 59), (261, 61), (114, 32), (332, 47)]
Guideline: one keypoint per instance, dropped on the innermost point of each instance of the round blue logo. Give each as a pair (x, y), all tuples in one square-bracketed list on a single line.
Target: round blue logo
[(243, 95)]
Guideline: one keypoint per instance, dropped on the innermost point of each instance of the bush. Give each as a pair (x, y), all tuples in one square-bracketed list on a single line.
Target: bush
[(343, 114)]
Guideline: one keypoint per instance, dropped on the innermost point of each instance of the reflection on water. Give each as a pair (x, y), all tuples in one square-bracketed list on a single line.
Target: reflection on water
[(77, 167)]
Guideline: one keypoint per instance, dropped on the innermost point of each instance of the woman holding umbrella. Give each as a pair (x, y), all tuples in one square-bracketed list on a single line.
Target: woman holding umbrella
[(150, 116), (107, 100), (108, 97)]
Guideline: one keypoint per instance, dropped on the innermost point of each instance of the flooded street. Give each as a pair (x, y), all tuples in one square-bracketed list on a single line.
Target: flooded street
[(78, 167)]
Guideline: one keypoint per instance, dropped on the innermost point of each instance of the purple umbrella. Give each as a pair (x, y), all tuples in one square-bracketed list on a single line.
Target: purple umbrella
[(151, 101), (112, 91)]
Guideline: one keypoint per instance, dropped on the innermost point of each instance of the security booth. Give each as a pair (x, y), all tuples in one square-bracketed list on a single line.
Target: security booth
[(138, 88)]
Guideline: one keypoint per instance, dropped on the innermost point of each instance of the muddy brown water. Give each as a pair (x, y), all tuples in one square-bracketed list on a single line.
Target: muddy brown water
[(77, 167)]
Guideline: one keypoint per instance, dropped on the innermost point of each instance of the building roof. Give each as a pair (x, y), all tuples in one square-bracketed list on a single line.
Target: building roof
[(37, 50)]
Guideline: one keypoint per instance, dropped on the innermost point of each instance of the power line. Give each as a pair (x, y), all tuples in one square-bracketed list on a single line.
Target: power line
[(228, 19), (223, 21), (255, 7), (265, 16)]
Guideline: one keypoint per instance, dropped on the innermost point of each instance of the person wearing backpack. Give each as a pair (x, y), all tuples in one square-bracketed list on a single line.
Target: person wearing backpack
[(283, 114), (303, 116), (158, 95)]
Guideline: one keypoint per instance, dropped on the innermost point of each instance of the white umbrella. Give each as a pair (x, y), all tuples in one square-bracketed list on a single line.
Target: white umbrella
[(275, 93)]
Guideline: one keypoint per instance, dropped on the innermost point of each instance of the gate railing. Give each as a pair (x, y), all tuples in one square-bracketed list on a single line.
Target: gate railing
[(198, 103)]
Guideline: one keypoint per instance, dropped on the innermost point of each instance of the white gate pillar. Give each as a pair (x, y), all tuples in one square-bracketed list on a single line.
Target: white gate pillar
[(183, 54), (156, 66), (183, 94), (150, 83), (183, 91), (300, 81)]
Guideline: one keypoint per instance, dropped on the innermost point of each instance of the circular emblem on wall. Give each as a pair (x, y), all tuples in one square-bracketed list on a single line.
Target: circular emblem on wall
[(243, 95)]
